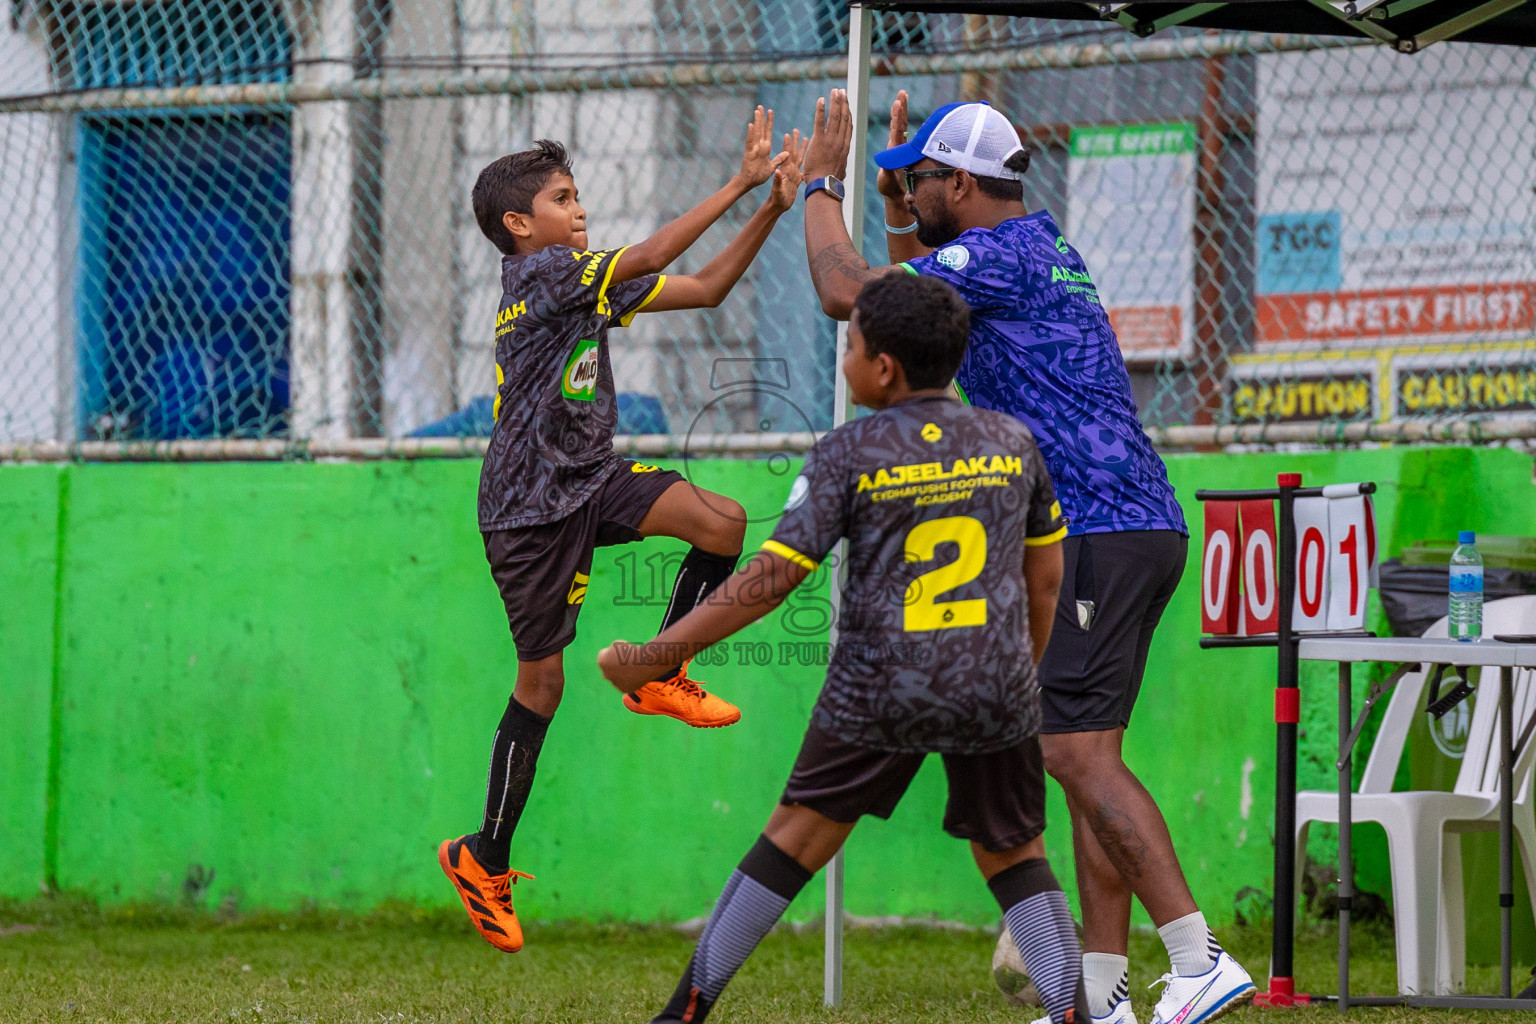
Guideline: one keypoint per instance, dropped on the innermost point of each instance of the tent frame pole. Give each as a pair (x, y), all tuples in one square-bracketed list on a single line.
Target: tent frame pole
[(860, 22)]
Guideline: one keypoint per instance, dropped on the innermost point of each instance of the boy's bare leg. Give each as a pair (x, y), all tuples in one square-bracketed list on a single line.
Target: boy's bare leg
[(992, 863), (540, 684), (808, 836), (1040, 922), (709, 521)]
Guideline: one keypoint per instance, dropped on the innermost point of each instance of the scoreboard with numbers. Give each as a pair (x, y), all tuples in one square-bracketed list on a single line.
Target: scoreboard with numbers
[(1335, 564)]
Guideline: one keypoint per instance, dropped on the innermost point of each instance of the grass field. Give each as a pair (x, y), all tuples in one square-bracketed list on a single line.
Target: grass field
[(69, 962)]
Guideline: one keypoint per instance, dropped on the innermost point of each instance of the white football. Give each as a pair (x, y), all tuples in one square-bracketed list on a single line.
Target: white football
[(1008, 971)]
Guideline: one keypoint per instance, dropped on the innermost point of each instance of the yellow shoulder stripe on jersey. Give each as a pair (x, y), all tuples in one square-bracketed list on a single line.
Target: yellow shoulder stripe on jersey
[(789, 554), (602, 289), (1050, 538), (627, 317)]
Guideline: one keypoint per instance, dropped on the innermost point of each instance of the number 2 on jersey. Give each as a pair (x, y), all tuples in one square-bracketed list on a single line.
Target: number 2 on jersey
[(921, 608)]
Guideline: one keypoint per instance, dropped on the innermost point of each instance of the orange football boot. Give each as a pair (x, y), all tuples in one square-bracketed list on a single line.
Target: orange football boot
[(685, 700), (487, 897)]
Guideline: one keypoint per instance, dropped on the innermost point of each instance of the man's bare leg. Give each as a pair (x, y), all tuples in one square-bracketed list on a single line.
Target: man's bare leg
[(1124, 822)]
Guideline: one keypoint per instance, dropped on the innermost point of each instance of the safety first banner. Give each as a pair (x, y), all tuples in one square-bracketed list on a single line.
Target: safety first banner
[(1131, 214), (1395, 197), (1336, 564)]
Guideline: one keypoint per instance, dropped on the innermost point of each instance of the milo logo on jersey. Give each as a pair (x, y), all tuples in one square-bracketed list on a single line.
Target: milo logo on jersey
[(579, 380)]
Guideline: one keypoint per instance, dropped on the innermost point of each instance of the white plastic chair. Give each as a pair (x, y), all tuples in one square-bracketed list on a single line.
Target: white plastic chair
[(1423, 827)]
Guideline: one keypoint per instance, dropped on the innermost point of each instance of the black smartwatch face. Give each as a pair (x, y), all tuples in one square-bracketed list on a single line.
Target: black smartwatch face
[(834, 187)]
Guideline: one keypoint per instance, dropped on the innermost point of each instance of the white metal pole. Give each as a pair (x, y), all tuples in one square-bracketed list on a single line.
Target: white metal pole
[(859, 22)]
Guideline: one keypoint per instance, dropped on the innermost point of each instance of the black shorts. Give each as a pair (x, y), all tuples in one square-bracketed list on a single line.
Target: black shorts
[(542, 571), (996, 799), (1090, 677)]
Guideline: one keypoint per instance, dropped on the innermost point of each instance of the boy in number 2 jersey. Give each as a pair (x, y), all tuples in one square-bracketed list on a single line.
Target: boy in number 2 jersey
[(954, 553)]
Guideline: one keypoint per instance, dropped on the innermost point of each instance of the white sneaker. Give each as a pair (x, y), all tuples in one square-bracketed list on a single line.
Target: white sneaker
[(1120, 1014), (1195, 999)]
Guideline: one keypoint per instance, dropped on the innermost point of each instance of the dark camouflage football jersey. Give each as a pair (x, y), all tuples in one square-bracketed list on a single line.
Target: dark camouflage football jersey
[(556, 412), (938, 501)]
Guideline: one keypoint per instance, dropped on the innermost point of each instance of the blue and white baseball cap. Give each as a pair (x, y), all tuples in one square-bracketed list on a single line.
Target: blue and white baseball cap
[(970, 136)]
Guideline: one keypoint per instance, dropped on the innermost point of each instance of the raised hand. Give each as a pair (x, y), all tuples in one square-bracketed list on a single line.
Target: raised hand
[(827, 152), (890, 183), (786, 176), (757, 160), (622, 665)]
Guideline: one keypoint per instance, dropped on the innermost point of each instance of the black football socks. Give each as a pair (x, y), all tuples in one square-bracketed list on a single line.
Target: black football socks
[(698, 576), (758, 893), (514, 756), (1036, 912)]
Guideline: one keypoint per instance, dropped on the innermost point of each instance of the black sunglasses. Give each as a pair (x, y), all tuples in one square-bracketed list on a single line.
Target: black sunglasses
[(912, 176)]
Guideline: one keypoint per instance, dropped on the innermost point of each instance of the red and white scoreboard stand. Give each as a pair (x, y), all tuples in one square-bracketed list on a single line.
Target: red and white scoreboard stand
[(1278, 564)]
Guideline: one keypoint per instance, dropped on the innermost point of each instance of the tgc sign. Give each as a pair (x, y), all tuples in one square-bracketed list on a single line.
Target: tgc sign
[(1335, 564)]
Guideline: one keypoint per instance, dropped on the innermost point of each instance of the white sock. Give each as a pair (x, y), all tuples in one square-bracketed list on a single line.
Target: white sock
[(1190, 944), (1106, 977)]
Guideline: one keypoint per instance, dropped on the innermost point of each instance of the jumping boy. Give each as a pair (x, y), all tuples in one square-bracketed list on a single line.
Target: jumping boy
[(954, 564), (552, 489)]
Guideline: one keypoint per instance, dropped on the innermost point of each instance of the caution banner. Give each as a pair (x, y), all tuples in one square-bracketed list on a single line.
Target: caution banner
[(1430, 390), (1310, 397)]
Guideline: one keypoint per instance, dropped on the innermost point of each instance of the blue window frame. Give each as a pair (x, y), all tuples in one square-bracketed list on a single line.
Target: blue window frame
[(182, 280)]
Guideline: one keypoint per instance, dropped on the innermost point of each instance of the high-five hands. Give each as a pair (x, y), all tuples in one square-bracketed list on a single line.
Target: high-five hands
[(787, 176), (890, 183), (758, 163), (827, 153)]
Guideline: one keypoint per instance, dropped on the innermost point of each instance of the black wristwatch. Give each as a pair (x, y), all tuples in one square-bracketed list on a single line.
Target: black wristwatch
[(834, 188)]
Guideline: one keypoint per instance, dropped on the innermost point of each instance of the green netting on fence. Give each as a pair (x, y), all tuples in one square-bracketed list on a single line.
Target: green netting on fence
[(249, 219)]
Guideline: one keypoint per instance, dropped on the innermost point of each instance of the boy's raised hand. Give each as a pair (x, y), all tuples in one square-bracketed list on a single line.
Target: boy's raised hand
[(889, 183), (787, 176), (628, 666), (757, 161)]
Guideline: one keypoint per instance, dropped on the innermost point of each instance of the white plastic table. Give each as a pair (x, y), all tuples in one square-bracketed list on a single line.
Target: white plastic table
[(1506, 657)]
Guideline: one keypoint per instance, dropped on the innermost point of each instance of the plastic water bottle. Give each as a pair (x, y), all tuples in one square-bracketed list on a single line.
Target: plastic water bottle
[(1466, 588)]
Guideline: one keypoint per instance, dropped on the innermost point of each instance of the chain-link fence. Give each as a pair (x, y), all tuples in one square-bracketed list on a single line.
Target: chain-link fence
[(250, 219)]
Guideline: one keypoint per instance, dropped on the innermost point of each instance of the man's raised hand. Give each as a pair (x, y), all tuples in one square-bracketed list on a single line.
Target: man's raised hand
[(757, 160), (827, 153), (890, 183)]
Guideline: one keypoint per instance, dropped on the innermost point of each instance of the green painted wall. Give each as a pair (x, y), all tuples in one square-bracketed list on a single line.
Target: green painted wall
[(29, 548), (288, 674)]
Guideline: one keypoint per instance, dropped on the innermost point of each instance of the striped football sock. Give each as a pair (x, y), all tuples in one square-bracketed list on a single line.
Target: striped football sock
[(759, 891), (1040, 922)]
